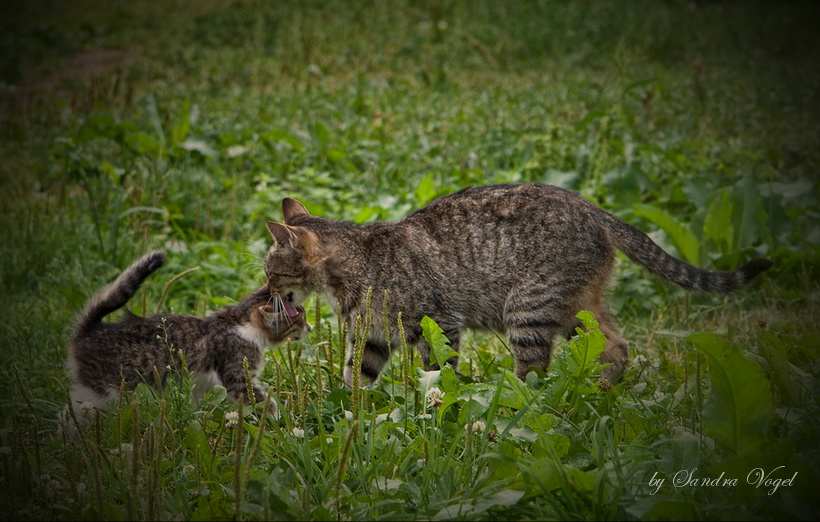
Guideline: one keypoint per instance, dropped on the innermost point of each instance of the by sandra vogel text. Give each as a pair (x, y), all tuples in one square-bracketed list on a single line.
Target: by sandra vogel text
[(770, 480)]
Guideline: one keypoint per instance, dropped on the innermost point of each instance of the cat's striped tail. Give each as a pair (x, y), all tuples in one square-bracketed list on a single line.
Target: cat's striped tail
[(116, 295), (641, 249)]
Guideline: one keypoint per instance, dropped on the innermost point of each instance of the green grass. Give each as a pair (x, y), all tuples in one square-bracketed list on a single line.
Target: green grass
[(697, 121)]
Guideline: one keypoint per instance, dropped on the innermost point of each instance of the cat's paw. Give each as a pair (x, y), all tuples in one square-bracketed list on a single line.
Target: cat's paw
[(364, 380)]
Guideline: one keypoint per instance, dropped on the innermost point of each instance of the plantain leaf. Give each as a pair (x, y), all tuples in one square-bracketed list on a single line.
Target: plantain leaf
[(737, 412), (683, 238), (718, 225)]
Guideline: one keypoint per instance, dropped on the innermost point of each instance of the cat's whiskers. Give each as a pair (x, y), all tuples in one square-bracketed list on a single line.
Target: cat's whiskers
[(279, 309)]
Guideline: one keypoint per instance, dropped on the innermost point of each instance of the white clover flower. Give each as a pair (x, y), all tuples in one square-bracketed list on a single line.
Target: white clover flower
[(478, 426), (231, 419), (349, 416), (435, 397), (639, 359), (424, 416), (298, 432), (329, 440), (188, 469)]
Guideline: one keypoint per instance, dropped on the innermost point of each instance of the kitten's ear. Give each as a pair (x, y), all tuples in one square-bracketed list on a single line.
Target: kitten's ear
[(292, 210), (282, 234)]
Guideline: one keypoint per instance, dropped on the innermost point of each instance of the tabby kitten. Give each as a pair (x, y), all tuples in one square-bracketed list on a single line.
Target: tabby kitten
[(516, 258), (104, 355)]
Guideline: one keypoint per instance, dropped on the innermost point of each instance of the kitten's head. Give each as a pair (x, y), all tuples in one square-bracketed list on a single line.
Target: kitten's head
[(293, 260), (279, 322)]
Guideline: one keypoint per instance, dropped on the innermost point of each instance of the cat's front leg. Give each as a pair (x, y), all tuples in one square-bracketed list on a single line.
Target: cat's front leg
[(374, 358), (233, 379)]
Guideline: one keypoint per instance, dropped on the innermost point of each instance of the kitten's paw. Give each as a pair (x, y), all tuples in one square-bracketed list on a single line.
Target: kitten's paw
[(273, 409)]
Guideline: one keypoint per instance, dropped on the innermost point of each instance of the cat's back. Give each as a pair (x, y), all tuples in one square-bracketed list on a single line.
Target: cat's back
[(507, 213), (135, 334), (501, 203)]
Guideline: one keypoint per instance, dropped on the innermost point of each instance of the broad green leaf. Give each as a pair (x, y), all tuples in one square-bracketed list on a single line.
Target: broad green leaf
[(718, 225), (748, 212), (440, 350), (141, 142), (793, 393), (182, 123), (683, 238), (551, 446), (428, 379), (737, 412), (587, 319), (196, 441), (426, 190), (280, 135), (475, 506), (661, 507)]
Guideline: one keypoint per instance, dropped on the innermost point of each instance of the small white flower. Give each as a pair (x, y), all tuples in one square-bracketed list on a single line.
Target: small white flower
[(329, 440), (80, 488), (298, 432), (424, 416), (639, 359), (435, 397), (231, 419), (349, 416), (188, 469), (478, 426)]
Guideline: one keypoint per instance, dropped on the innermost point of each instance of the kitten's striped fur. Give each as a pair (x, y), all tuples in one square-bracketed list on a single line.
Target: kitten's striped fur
[(103, 355)]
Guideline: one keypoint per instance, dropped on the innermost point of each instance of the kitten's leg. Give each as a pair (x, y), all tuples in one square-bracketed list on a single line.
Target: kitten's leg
[(374, 358), (233, 379), (532, 318)]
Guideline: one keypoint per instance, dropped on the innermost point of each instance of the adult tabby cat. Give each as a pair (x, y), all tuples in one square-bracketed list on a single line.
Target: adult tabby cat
[(103, 355), (521, 259)]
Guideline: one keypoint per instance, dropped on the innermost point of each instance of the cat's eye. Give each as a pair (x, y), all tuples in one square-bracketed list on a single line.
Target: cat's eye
[(295, 275)]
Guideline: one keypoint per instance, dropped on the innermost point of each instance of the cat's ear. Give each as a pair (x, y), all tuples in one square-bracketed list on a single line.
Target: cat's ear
[(282, 234), (292, 210)]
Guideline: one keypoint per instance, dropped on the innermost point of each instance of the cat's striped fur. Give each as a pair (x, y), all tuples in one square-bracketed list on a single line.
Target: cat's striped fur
[(516, 258)]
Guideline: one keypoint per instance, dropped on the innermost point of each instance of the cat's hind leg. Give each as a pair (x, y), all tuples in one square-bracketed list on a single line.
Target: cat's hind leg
[(532, 318), (615, 352)]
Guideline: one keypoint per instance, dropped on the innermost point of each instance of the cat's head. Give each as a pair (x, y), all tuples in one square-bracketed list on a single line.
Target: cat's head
[(280, 323), (293, 260)]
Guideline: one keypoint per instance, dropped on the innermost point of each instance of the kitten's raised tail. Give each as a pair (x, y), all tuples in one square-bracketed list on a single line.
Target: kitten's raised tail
[(640, 248), (116, 295)]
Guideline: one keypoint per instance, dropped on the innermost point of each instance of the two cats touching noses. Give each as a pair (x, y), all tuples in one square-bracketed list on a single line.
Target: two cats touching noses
[(520, 259)]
